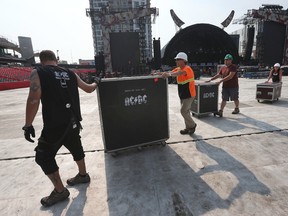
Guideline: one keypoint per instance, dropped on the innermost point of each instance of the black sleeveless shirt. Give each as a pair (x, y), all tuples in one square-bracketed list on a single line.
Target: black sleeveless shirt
[(275, 75), (60, 96)]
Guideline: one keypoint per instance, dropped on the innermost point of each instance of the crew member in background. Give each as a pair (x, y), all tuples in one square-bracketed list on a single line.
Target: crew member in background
[(186, 89), (230, 87), (275, 74)]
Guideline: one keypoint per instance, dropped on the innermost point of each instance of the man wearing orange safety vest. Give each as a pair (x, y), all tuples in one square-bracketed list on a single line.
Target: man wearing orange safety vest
[(186, 90)]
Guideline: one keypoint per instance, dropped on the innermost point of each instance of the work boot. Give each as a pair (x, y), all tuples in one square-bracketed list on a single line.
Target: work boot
[(236, 111), (55, 197), (188, 130), (192, 130), (78, 179), (184, 131), (219, 113)]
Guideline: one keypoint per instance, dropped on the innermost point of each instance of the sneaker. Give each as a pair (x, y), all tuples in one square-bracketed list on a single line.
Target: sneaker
[(236, 111), (55, 197), (78, 179), (219, 113)]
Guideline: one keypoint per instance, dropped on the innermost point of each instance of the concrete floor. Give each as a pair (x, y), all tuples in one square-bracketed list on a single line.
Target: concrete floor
[(235, 165)]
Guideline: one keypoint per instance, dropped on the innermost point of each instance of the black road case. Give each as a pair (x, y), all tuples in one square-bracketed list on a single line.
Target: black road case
[(268, 91), (206, 100), (133, 111)]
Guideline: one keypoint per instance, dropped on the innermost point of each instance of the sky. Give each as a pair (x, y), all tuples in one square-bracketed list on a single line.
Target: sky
[(63, 25)]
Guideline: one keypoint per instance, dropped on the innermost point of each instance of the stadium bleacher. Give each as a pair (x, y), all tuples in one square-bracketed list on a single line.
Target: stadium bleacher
[(14, 74), (18, 77), (14, 77)]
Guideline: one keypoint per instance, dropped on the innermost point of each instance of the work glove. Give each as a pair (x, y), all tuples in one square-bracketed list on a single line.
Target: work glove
[(29, 131), (97, 80)]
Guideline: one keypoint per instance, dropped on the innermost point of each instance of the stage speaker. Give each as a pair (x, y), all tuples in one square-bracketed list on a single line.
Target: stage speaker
[(125, 50), (273, 42), (249, 44), (157, 54)]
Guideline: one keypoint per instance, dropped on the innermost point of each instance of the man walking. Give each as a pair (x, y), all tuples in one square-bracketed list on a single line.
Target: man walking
[(57, 89), (230, 87), (186, 90)]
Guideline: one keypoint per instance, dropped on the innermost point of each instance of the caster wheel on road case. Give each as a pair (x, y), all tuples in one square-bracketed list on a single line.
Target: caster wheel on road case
[(114, 154), (163, 143), (258, 101), (139, 148)]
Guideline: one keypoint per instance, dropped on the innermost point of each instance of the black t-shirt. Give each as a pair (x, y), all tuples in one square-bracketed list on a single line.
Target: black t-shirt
[(275, 75)]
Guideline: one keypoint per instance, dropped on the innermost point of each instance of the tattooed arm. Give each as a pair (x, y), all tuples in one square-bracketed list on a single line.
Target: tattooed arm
[(85, 86), (33, 99)]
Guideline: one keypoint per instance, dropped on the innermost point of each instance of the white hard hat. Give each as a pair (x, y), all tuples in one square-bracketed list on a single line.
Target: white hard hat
[(182, 55), (277, 65)]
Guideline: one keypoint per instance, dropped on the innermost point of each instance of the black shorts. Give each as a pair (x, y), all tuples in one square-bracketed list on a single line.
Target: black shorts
[(230, 93), (51, 141)]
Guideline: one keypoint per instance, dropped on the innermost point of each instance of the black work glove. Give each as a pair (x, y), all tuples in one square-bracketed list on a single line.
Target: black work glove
[(97, 80), (29, 131)]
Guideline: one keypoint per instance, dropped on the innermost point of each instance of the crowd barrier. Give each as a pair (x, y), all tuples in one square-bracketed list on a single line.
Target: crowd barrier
[(256, 75)]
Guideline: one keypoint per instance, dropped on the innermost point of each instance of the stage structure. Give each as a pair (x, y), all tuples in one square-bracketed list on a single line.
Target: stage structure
[(109, 19), (261, 25)]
